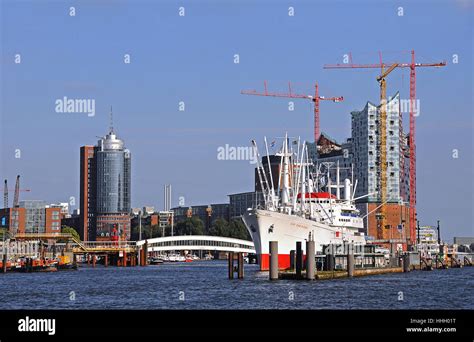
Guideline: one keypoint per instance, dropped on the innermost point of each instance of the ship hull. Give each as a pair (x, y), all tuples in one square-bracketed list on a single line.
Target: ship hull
[(265, 226)]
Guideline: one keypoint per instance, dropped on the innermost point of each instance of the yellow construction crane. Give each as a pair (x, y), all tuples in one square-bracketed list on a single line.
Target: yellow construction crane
[(382, 150)]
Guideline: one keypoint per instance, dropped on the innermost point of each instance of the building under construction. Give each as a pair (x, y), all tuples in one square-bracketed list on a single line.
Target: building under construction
[(359, 157)]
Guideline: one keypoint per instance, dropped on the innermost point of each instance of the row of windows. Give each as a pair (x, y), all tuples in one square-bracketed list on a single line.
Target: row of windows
[(199, 243)]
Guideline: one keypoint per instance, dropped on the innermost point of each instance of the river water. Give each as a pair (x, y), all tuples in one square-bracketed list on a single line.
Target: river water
[(204, 285)]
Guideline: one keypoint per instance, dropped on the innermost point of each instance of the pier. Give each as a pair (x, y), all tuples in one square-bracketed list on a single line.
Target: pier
[(49, 252), (334, 265), (62, 250)]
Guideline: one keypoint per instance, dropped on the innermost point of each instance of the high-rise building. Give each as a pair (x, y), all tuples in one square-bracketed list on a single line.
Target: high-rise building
[(366, 160), (87, 193), (365, 139), (105, 190), (358, 159)]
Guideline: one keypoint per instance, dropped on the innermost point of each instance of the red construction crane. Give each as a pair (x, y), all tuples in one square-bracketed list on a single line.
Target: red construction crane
[(315, 98), (412, 65)]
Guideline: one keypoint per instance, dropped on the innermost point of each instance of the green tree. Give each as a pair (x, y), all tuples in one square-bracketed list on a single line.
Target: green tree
[(70, 230), (190, 226), (220, 227), (238, 230)]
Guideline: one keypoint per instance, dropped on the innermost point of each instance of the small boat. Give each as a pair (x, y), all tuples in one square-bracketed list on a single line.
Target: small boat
[(156, 261)]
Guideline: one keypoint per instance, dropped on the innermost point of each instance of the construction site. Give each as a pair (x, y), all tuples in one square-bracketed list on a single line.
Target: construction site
[(32, 241), (379, 155)]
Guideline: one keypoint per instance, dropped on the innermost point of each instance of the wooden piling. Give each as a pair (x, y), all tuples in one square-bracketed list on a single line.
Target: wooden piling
[(310, 260), (292, 259), (240, 266), (145, 253), (4, 264), (330, 261), (106, 260), (231, 265), (273, 260), (94, 258), (299, 259)]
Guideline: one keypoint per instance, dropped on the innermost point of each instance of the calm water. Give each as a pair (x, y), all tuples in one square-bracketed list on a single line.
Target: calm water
[(204, 285)]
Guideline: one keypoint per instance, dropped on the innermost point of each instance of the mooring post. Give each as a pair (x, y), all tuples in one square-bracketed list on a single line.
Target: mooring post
[(240, 265), (29, 264), (124, 259), (310, 260), (330, 259), (292, 259), (88, 259), (106, 260), (145, 253), (406, 263), (273, 260), (93, 260), (299, 259), (350, 261), (74, 261), (231, 265), (4, 264)]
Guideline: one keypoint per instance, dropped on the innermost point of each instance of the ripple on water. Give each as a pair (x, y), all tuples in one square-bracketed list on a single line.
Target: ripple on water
[(204, 285)]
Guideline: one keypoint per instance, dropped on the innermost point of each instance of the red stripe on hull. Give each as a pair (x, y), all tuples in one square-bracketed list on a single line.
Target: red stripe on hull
[(283, 261)]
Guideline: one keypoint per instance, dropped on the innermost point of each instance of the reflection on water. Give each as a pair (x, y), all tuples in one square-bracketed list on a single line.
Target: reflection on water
[(204, 285)]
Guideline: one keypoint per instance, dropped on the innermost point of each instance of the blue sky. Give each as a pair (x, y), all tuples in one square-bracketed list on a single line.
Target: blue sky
[(191, 59)]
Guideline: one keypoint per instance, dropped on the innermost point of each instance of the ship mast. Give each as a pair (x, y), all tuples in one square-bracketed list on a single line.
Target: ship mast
[(285, 195)]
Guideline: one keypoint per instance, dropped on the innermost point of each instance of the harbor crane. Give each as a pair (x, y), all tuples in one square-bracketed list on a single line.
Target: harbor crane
[(382, 150), (316, 98), (411, 141), (17, 191)]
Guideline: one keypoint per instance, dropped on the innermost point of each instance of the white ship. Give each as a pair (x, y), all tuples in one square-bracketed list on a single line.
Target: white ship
[(296, 208)]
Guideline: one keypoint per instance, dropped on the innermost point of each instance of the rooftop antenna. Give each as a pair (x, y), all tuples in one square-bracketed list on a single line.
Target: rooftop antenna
[(111, 121)]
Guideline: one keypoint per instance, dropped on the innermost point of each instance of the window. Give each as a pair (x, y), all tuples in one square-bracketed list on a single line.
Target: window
[(55, 226)]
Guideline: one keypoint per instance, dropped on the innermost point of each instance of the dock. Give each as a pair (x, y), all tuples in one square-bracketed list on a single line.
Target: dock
[(336, 274)]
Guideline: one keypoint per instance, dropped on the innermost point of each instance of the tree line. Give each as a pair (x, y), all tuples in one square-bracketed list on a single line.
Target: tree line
[(195, 226)]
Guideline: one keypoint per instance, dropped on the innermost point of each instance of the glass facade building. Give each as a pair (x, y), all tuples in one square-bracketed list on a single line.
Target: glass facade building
[(113, 182), (105, 186), (112, 188), (35, 218)]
